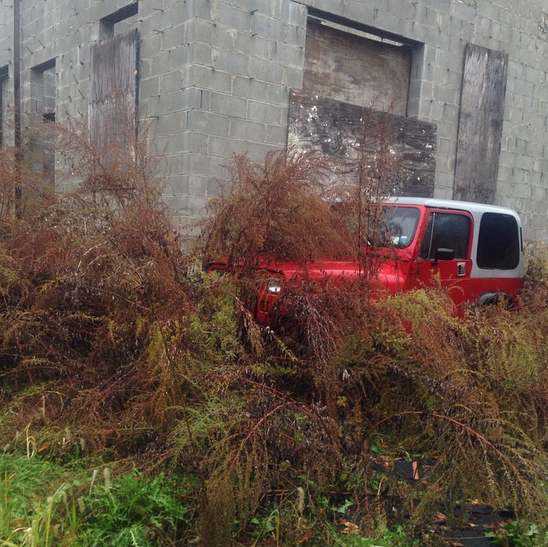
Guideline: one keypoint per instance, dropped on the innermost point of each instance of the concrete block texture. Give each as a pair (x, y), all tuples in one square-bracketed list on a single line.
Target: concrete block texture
[(214, 76)]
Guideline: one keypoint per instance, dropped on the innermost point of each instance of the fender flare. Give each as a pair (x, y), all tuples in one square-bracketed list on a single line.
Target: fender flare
[(495, 298)]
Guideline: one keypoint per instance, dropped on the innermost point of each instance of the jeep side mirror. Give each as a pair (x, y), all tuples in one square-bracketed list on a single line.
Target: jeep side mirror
[(443, 254)]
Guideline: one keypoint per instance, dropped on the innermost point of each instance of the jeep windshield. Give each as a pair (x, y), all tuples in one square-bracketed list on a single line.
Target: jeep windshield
[(393, 226)]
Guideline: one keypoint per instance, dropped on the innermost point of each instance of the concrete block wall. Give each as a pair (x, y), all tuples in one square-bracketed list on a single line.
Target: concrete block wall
[(6, 29), (215, 78), (233, 65)]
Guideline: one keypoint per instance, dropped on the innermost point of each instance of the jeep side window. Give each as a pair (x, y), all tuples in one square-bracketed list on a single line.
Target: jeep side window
[(498, 242), (395, 227), (446, 231)]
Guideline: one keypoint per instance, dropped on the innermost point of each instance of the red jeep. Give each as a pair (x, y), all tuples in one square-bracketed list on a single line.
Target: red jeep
[(473, 250)]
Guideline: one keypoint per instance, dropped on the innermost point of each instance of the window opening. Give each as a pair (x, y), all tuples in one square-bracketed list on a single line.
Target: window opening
[(43, 88), (41, 145), (359, 87), (356, 64), (118, 22), (4, 72)]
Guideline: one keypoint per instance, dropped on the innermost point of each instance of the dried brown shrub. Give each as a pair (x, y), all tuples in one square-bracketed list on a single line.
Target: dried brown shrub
[(276, 211), (468, 395), (88, 282), (107, 338)]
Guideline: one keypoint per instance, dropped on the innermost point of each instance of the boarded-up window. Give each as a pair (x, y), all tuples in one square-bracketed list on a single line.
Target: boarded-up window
[(355, 137), (41, 144), (4, 72), (480, 126), (352, 107), (113, 89), (350, 68)]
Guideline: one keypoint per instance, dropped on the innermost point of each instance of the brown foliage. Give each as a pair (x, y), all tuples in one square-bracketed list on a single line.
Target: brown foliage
[(467, 394), (276, 211), (107, 338), (86, 284)]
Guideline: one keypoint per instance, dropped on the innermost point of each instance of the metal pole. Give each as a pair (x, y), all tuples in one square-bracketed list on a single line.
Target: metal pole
[(17, 103)]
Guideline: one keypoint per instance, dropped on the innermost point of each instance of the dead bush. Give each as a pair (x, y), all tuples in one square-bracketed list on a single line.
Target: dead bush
[(344, 374), (276, 211), (110, 340)]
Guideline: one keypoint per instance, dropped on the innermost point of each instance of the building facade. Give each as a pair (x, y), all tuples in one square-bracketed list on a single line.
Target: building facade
[(466, 80)]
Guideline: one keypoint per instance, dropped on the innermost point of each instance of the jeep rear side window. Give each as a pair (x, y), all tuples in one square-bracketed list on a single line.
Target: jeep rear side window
[(498, 242), (446, 231)]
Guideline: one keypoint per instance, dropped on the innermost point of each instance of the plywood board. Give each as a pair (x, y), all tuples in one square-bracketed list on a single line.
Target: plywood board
[(353, 136), (480, 125), (113, 88), (350, 68)]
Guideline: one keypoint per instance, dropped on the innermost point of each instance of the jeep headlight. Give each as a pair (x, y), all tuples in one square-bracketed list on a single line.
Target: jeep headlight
[(274, 286)]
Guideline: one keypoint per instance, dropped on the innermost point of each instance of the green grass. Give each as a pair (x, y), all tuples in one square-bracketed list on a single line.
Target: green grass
[(43, 504)]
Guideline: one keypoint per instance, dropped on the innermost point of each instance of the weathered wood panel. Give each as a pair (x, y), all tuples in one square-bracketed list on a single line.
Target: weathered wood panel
[(480, 126), (4, 74), (113, 88), (349, 68), (353, 136)]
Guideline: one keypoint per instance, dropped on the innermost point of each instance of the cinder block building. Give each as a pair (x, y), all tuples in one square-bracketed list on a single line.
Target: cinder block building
[(465, 80)]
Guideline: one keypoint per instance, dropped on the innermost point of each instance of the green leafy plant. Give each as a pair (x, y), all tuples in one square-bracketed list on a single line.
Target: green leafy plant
[(518, 534), (388, 538), (34, 502), (43, 504), (132, 511)]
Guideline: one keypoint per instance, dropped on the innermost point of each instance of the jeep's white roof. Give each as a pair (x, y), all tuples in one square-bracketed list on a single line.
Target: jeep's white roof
[(476, 209)]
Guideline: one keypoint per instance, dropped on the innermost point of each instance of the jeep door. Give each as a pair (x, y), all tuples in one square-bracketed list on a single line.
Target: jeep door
[(444, 254)]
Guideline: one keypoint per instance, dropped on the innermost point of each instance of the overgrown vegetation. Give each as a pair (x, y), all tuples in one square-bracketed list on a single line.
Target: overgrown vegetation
[(141, 405)]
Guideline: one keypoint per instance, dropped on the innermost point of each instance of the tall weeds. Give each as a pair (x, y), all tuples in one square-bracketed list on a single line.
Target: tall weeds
[(276, 211), (465, 396), (87, 284), (113, 344)]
